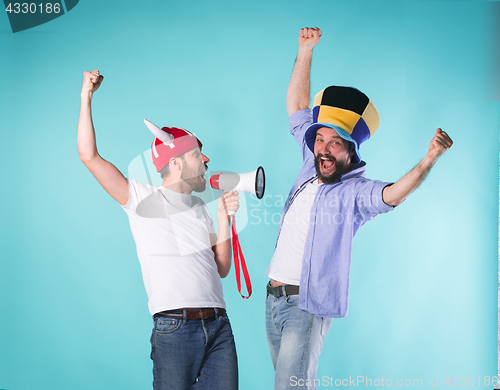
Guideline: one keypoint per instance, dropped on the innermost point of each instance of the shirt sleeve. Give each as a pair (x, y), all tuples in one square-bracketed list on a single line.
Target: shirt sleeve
[(136, 193), (369, 199), (299, 122)]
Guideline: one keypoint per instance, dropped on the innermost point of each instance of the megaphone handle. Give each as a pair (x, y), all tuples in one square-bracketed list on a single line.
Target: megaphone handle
[(238, 254), (230, 213)]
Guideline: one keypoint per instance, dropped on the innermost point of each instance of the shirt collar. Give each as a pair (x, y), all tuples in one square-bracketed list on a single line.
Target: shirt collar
[(357, 170)]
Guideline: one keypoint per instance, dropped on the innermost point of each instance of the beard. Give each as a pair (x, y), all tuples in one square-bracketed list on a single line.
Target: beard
[(332, 176), (194, 180)]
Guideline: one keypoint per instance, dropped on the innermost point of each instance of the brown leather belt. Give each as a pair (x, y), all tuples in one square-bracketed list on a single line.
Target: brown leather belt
[(191, 314), (280, 291)]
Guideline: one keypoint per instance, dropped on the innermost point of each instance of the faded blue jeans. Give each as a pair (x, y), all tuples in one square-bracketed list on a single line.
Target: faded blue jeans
[(194, 354), (295, 340)]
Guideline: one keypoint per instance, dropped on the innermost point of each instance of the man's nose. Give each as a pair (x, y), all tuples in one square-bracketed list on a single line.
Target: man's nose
[(205, 159), (324, 148)]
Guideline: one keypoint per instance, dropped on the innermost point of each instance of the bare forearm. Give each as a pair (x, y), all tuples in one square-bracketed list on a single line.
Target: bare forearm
[(108, 176), (299, 89), (395, 194), (298, 95), (87, 147), (222, 247), (228, 203), (398, 192)]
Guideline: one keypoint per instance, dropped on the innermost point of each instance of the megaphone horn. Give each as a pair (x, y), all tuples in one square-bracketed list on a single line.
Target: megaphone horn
[(252, 182)]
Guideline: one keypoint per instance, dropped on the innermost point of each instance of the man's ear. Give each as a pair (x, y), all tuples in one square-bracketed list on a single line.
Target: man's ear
[(352, 150), (176, 164)]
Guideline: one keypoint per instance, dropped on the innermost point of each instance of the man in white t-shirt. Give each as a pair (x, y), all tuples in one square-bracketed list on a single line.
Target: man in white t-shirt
[(182, 258)]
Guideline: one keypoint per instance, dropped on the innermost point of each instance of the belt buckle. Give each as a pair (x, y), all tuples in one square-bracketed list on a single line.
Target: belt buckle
[(278, 291), (275, 291)]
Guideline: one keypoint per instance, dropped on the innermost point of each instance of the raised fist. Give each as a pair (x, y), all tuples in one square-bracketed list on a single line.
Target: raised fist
[(440, 143), (91, 81), (309, 37)]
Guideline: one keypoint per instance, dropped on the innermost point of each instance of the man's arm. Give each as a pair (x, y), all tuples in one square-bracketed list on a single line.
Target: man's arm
[(299, 89), (222, 247), (395, 194), (110, 178)]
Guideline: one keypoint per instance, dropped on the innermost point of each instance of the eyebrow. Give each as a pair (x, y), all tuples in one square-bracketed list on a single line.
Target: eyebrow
[(333, 136)]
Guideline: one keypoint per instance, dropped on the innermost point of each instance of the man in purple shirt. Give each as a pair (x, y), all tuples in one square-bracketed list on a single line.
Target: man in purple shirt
[(328, 202)]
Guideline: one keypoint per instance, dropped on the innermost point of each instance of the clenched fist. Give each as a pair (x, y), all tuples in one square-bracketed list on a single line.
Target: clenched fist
[(440, 143), (91, 82), (309, 37)]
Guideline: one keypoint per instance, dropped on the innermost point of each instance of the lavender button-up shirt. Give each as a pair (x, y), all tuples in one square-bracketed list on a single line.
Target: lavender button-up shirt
[(339, 209)]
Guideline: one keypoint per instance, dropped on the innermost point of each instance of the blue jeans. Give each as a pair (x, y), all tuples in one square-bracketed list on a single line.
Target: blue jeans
[(295, 340), (194, 354)]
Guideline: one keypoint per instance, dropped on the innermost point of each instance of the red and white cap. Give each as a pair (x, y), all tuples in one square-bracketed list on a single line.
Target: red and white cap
[(170, 142)]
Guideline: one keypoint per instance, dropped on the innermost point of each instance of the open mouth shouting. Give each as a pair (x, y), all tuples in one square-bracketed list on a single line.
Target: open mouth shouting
[(327, 164), (328, 168), (203, 172)]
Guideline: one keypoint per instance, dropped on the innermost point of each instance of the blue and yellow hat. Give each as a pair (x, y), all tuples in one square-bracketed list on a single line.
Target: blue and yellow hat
[(348, 111)]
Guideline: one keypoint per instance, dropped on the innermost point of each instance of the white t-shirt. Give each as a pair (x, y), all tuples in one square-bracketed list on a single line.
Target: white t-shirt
[(286, 264), (174, 235)]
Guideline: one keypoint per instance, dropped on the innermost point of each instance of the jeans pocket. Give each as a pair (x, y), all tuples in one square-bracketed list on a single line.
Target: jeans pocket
[(165, 325), (292, 300), (224, 318), (325, 325)]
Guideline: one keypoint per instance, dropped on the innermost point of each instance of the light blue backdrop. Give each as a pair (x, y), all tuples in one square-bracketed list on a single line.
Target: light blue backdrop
[(73, 309)]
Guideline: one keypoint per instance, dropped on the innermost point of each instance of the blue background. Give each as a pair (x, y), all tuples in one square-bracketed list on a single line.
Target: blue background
[(423, 295)]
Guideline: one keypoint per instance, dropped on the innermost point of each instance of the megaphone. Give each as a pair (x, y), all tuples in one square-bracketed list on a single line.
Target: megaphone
[(253, 182)]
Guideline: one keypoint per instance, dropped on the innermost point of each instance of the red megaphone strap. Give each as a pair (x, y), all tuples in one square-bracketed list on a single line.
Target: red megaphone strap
[(238, 254)]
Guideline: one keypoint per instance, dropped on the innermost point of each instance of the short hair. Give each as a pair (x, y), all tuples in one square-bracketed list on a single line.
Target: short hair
[(165, 171)]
